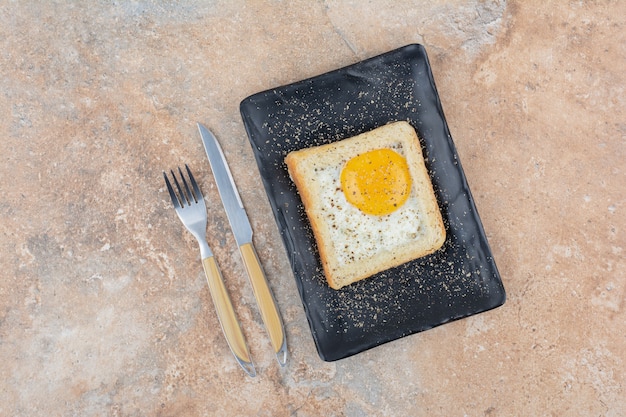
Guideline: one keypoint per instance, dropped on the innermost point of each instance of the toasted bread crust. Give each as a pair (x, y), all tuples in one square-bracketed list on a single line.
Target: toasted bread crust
[(303, 166)]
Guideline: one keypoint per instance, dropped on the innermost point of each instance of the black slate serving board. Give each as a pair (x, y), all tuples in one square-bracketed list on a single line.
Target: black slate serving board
[(459, 280)]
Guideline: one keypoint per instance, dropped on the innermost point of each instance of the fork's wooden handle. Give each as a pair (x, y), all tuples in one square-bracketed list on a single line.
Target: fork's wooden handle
[(226, 315), (265, 300)]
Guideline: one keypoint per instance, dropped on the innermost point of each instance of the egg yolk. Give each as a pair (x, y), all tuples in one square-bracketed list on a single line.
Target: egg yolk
[(377, 182)]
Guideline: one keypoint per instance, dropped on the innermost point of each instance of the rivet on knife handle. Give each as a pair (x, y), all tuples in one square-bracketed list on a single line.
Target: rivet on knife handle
[(265, 300)]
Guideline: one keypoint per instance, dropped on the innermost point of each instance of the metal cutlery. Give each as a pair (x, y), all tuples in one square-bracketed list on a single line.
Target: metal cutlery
[(242, 231), (191, 209)]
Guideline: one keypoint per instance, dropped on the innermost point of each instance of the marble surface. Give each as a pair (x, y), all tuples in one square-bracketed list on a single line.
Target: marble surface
[(104, 310)]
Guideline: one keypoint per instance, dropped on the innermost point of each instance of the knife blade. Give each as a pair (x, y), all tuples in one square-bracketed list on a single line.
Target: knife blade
[(242, 230)]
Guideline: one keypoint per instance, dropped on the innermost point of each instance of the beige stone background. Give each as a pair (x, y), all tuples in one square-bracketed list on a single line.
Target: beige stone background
[(104, 310)]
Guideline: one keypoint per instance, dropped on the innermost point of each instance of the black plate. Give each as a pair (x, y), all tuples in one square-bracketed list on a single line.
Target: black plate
[(459, 280)]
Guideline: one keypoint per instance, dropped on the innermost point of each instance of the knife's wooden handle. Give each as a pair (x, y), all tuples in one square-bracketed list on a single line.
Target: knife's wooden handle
[(226, 315), (265, 300)]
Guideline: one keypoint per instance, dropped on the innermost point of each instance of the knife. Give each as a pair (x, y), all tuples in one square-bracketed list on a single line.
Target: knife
[(240, 225)]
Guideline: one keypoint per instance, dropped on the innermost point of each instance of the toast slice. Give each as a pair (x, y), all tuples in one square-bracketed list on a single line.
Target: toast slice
[(353, 244)]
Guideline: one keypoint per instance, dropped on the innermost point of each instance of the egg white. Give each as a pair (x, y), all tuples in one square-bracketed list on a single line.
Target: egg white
[(355, 235)]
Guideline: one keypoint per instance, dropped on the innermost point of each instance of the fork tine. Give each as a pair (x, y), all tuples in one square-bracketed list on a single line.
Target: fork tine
[(171, 191), (183, 197), (190, 197), (194, 184)]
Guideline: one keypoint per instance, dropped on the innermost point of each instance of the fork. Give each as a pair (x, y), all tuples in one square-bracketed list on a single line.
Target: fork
[(191, 209)]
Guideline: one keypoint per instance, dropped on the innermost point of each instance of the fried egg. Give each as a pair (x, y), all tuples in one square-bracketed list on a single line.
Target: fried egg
[(370, 206), (369, 201), (376, 182)]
